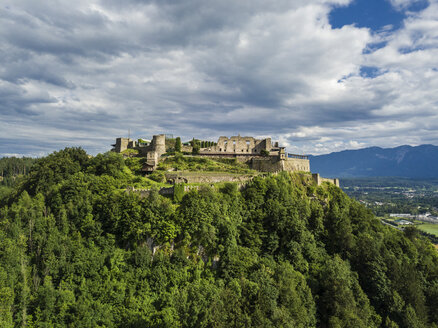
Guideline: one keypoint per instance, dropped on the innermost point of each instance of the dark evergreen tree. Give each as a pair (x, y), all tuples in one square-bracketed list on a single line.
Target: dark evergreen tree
[(178, 144)]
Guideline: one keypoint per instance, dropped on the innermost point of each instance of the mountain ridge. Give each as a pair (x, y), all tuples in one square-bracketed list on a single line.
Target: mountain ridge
[(401, 161)]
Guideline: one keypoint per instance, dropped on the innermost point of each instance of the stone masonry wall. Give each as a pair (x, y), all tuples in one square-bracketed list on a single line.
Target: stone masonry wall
[(273, 164), (121, 144), (318, 180), (267, 164), (239, 145), (205, 178), (296, 164), (241, 158)]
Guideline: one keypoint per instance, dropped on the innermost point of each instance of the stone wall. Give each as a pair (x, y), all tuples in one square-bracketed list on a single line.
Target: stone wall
[(159, 144), (122, 144), (264, 144), (241, 158), (319, 180), (243, 149), (153, 151), (266, 164), (205, 178), (274, 164), (242, 181), (296, 164), (171, 190), (146, 192), (240, 145)]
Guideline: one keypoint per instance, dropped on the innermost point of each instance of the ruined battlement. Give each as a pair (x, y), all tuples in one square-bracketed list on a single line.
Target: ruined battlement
[(240, 145), (260, 154), (319, 180), (151, 150)]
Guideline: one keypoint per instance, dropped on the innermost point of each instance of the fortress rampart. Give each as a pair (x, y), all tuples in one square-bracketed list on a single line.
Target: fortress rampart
[(151, 150), (318, 180), (240, 145), (260, 154), (205, 177)]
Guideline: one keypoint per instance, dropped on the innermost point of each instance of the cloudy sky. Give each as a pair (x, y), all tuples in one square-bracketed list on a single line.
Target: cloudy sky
[(318, 75)]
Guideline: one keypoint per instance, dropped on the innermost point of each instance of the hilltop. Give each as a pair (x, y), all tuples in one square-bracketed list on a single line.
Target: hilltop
[(246, 156), (78, 250)]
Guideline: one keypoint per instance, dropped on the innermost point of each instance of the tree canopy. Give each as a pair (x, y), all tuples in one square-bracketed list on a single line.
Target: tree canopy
[(77, 250)]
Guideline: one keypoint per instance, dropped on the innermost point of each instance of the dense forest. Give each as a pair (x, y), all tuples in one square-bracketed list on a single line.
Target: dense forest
[(76, 250), (12, 167)]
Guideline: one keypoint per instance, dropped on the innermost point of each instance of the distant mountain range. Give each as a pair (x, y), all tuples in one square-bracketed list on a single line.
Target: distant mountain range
[(404, 161)]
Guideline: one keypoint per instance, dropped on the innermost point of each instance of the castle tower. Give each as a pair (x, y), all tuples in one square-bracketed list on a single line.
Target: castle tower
[(282, 154), (122, 144), (159, 144)]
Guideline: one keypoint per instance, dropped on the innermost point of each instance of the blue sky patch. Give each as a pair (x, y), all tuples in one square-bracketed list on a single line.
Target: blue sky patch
[(369, 71), (374, 14), (371, 47), (408, 50), (418, 6)]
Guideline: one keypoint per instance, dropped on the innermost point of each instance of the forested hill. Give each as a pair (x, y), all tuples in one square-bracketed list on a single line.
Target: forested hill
[(76, 250), (404, 161)]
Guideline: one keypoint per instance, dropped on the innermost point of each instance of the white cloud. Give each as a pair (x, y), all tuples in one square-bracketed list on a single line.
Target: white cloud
[(403, 4), (87, 71)]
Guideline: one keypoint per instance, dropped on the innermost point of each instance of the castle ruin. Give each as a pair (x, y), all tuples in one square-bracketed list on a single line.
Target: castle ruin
[(261, 154), (152, 150)]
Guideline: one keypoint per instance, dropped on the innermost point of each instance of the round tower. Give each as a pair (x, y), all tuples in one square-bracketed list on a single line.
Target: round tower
[(159, 142)]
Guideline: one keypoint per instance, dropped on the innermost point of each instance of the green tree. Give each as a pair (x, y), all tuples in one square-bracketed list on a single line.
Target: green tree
[(178, 144), (110, 163), (264, 152), (342, 301)]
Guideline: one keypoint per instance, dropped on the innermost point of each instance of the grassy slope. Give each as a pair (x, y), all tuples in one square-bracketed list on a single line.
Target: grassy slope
[(200, 164), (429, 228), (187, 165)]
